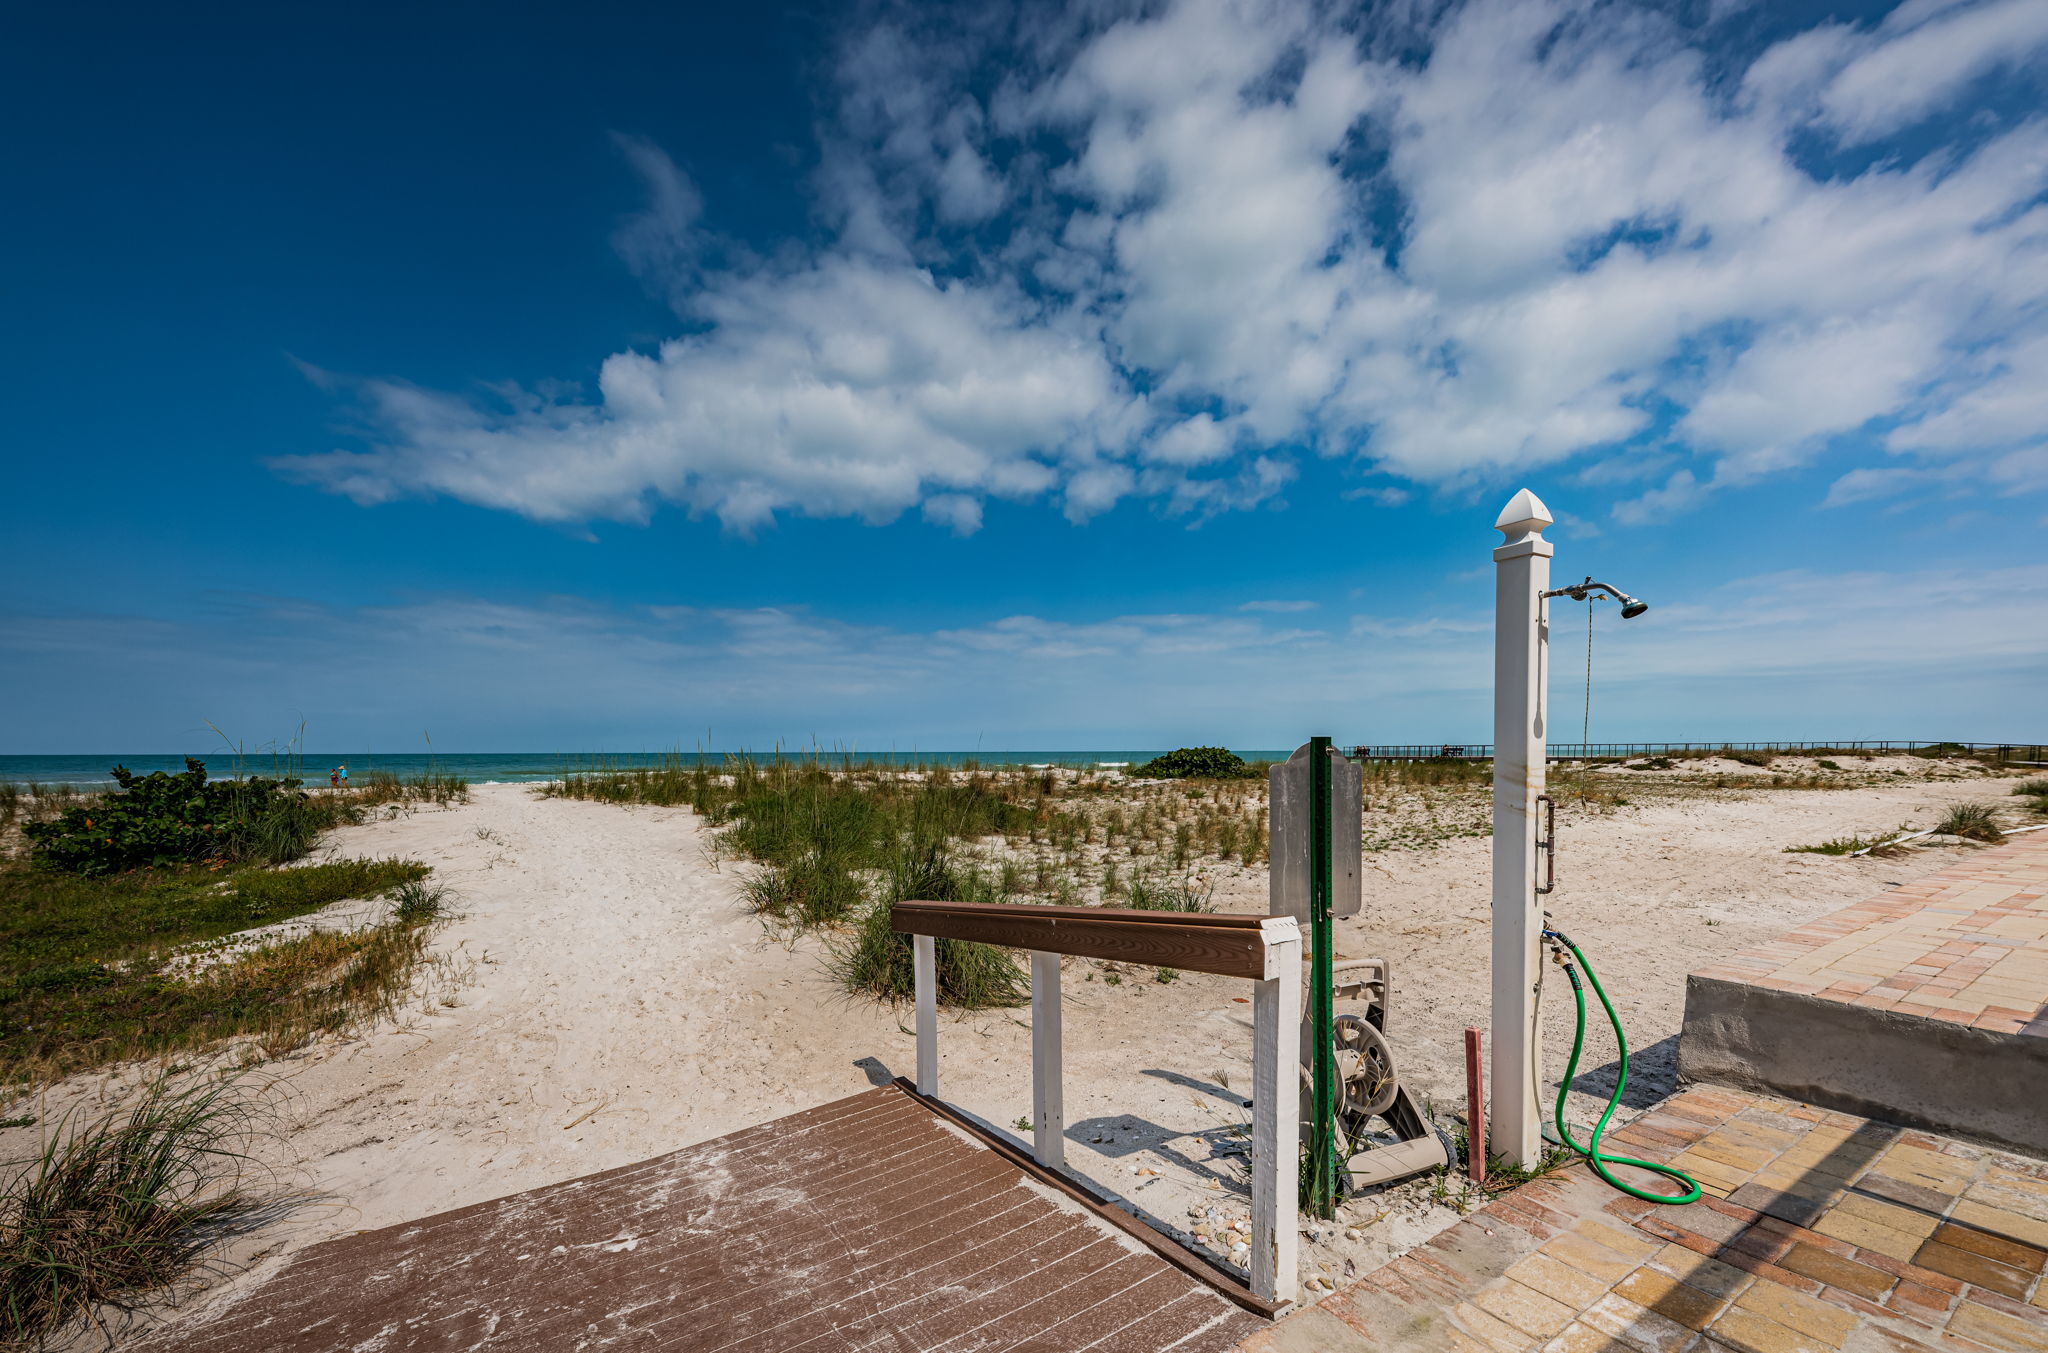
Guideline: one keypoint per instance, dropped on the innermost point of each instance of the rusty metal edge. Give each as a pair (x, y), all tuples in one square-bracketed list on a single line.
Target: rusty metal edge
[(1197, 1266)]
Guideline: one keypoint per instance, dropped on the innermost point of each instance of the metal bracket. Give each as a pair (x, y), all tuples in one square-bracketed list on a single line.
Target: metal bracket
[(1548, 844)]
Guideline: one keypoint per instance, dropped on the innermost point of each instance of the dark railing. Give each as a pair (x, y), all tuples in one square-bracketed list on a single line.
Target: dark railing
[(2020, 752)]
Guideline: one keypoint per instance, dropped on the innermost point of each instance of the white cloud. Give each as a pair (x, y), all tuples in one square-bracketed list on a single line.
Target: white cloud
[(1278, 607), (1173, 250), (1915, 64)]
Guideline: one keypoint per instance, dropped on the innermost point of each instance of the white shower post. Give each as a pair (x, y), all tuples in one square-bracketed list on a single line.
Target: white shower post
[(1521, 673)]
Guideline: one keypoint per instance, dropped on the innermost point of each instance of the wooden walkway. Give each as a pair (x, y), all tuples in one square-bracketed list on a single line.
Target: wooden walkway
[(864, 1224)]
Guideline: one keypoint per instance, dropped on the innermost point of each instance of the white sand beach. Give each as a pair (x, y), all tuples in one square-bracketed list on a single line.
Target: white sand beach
[(601, 997)]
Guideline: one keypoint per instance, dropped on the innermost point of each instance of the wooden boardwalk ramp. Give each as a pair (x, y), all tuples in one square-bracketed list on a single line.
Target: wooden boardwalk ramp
[(870, 1223)]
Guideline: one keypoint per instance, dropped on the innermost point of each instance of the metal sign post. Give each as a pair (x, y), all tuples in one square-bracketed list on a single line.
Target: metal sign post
[(1314, 810)]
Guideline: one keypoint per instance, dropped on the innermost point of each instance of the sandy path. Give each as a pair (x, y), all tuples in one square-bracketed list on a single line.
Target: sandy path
[(611, 1002)]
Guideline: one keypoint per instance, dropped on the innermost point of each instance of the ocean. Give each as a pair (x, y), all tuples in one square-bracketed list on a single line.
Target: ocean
[(92, 771)]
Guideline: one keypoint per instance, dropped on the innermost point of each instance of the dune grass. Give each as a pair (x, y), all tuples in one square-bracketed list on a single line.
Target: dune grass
[(380, 787), (1972, 822), (122, 1203), (91, 969), (875, 960)]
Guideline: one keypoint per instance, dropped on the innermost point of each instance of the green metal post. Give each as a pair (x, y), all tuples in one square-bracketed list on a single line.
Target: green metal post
[(1322, 1143)]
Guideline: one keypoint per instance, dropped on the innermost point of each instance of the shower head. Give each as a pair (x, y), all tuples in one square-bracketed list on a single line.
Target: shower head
[(1631, 607)]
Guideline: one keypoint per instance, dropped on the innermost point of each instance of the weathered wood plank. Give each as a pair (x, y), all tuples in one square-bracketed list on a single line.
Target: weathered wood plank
[(858, 1225), (1233, 946)]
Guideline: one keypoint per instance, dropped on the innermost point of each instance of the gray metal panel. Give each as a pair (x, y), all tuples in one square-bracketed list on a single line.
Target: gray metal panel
[(1287, 810)]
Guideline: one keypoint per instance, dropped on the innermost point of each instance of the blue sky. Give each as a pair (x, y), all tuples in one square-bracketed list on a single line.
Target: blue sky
[(1104, 376)]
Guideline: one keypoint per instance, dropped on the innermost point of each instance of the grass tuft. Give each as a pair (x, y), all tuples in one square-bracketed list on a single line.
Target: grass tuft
[(1972, 822), (877, 961), (122, 1203), (1148, 892)]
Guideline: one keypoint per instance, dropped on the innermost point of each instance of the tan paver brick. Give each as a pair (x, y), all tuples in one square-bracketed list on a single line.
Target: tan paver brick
[(1752, 1333), (1701, 1271), (1996, 1219), (1317, 1331), (1637, 1327), (1589, 1257), (1490, 1329), (1974, 1268), (1910, 1220), (1796, 1310), (1813, 1262), (1633, 1244), (1554, 1279), (1993, 1247), (1583, 1338), (1996, 1329), (1867, 1234), (1525, 1308), (1668, 1297)]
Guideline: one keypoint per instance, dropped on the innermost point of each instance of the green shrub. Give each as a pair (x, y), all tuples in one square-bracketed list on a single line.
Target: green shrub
[(1758, 759), (1201, 763), (2034, 788), (162, 819)]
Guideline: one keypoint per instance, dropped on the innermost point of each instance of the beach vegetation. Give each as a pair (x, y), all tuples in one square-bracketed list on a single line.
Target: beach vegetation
[(1849, 845), (124, 1203), (1197, 763), (1154, 892), (100, 969), (162, 819), (877, 960), (1972, 822), (381, 787)]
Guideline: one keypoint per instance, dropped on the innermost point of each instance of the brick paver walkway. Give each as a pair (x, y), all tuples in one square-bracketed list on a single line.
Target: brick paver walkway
[(1820, 1231), (1968, 945)]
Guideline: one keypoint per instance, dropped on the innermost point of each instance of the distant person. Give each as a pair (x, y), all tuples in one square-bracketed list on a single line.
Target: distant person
[(334, 778), (344, 772)]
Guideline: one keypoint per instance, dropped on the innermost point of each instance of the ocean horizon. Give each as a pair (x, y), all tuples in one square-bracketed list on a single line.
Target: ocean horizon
[(95, 769)]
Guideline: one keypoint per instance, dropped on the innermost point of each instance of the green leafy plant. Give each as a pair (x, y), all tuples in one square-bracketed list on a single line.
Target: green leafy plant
[(163, 819), (1203, 763)]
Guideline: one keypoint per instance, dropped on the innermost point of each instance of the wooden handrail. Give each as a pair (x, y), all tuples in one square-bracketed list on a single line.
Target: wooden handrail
[(1233, 946), (1266, 949)]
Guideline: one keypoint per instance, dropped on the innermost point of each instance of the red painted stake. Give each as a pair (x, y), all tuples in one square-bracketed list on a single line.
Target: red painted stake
[(1475, 1109)]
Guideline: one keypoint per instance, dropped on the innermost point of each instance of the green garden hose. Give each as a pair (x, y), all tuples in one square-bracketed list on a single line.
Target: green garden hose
[(1595, 1157)]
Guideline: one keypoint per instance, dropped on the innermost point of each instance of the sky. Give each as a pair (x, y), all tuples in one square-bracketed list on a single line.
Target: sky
[(621, 376)]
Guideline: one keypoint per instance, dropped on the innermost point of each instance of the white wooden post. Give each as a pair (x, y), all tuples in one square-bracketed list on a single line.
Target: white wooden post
[(1276, 1112), (925, 958), (1520, 678), (1048, 1107)]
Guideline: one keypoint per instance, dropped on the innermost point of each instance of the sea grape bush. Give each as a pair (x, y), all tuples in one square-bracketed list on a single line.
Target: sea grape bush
[(1197, 763), (164, 819)]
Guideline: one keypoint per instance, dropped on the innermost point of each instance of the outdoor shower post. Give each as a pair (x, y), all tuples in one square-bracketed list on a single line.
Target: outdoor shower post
[(1520, 675)]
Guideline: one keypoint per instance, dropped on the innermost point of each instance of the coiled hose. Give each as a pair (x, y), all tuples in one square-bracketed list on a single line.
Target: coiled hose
[(1595, 1157)]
